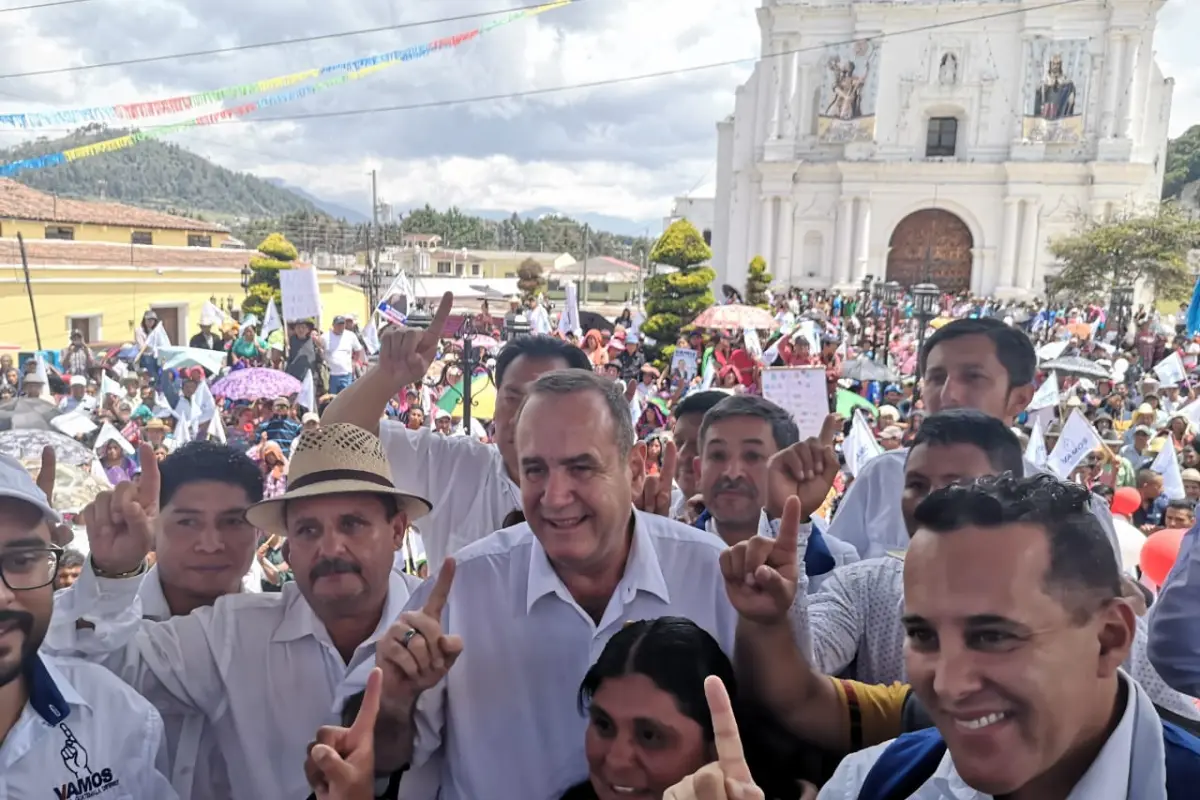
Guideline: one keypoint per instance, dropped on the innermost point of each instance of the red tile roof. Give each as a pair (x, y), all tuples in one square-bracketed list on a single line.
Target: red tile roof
[(18, 201), (58, 252)]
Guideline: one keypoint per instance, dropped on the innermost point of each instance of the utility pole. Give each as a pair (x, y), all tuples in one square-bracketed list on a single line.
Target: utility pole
[(37, 334), (375, 218), (586, 233)]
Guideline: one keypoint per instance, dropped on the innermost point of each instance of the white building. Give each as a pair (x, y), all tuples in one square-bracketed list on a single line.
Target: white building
[(943, 141), (700, 211)]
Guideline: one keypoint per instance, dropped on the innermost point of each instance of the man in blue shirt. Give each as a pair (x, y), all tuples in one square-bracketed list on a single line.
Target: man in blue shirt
[(281, 428)]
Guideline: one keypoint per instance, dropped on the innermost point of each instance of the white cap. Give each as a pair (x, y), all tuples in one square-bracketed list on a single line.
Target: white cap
[(78, 380), (16, 483), (311, 416)]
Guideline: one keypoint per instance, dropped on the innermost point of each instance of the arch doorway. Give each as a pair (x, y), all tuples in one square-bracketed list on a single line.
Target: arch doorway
[(931, 246)]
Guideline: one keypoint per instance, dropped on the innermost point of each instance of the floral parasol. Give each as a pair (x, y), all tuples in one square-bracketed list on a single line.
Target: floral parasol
[(256, 384), (27, 445), (735, 317)]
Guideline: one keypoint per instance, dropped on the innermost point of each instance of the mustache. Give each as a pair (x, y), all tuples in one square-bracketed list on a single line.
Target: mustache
[(334, 566), (739, 485), (23, 619)]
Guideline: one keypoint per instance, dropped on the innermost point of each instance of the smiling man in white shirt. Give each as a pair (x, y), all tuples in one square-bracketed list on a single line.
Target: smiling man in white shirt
[(203, 547), (265, 670), (67, 728), (535, 604)]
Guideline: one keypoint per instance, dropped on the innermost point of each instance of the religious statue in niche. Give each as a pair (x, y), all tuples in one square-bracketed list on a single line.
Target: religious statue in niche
[(1056, 96), (847, 109), (948, 71)]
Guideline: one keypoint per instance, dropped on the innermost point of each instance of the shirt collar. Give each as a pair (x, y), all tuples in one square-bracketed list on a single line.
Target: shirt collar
[(299, 620), (150, 593), (642, 570), (764, 525), (51, 695)]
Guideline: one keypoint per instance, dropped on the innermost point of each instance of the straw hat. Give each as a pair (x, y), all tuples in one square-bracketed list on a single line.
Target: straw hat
[(335, 459)]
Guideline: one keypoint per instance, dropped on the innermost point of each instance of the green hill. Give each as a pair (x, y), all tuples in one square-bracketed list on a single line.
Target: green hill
[(154, 174)]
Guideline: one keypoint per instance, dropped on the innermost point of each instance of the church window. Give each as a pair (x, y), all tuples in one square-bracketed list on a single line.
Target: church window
[(942, 141), (707, 237)]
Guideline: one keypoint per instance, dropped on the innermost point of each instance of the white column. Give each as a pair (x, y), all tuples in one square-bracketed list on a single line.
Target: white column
[(776, 84), (862, 238), (768, 229), (1141, 87), (1126, 88), (1027, 267), (782, 268), (787, 119), (843, 253), (1112, 102), (799, 121), (1008, 250), (805, 114)]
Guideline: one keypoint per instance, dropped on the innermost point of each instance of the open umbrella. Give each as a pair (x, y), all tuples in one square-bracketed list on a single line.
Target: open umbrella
[(27, 445), (864, 370), (74, 486), (847, 401), (1077, 366), (483, 399), (256, 384), (591, 320), (27, 413), (735, 317)]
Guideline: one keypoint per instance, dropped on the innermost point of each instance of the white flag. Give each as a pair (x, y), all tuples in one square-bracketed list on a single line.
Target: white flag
[(861, 445), (157, 338), (1035, 451), (370, 336), (568, 321), (110, 434), (1047, 394), (203, 403), (183, 425), (1166, 464), (211, 315), (110, 387), (1078, 438), (272, 322), (216, 430), (1170, 370), (1192, 412), (39, 374), (308, 393)]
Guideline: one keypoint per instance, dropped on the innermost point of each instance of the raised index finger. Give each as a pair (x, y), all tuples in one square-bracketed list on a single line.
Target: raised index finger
[(830, 428), (437, 327), (364, 724), (730, 757), (670, 458), (441, 590), (150, 482), (45, 478)]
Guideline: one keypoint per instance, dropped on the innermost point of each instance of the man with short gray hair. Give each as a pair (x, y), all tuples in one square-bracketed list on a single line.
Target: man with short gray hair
[(535, 604)]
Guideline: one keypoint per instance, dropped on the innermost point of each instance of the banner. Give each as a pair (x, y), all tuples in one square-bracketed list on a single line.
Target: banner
[(354, 70)]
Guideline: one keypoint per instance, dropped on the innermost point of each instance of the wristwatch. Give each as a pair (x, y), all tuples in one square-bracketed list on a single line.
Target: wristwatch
[(117, 575)]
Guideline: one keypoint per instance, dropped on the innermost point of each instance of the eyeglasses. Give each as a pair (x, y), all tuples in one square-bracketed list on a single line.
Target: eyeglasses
[(22, 570)]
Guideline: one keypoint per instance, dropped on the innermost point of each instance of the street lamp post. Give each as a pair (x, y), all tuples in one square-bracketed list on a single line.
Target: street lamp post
[(889, 294), (246, 275), (864, 305), (925, 301), (1121, 308)]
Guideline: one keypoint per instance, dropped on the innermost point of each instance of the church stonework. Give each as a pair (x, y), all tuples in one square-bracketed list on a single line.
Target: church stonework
[(949, 154)]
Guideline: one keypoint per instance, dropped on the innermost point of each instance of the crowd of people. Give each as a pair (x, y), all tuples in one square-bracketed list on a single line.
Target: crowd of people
[(304, 568)]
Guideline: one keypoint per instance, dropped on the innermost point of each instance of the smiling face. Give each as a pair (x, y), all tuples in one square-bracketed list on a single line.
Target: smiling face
[(204, 543), (1015, 681), (24, 614), (638, 742)]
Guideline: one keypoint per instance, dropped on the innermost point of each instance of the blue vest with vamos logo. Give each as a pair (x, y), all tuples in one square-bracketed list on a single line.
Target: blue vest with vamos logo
[(909, 761)]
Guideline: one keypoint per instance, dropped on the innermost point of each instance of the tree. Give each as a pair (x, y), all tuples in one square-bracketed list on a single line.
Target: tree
[(757, 282), (1151, 249), (1183, 162), (673, 299), (275, 253), (529, 279)]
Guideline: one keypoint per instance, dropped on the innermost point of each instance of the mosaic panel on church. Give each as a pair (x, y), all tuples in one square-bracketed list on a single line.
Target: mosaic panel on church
[(849, 89), (1056, 76), (931, 246)]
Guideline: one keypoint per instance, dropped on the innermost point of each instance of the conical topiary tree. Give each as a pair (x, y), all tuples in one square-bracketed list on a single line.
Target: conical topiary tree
[(274, 253), (674, 299), (758, 280), (529, 279)]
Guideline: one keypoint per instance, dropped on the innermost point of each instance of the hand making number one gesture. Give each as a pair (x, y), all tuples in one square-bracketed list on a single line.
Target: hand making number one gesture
[(341, 762), (120, 522), (415, 654), (805, 470), (727, 778), (405, 354), (60, 534), (655, 497)]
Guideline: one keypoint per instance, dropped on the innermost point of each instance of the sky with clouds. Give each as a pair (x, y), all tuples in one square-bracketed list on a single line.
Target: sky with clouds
[(622, 150)]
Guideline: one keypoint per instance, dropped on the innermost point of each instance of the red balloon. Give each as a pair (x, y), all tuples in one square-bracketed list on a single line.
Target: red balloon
[(1126, 500), (1159, 554)]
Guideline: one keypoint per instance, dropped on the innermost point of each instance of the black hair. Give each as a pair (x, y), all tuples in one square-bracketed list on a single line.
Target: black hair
[(1083, 569), (783, 428), (209, 461), (969, 426), (1014, 350), (699, 402), (539, 346), (1182, 504), (70, 558), (1145, 477), (1104, 492)]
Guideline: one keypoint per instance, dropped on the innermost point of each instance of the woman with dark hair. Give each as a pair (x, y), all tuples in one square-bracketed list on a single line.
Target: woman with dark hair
[(649, 725)]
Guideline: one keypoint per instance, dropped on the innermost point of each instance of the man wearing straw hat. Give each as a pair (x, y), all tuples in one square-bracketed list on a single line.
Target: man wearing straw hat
[(265, 670)]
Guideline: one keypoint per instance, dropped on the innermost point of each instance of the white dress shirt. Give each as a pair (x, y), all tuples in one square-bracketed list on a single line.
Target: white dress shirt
[(870, 519), (464, 479), (260, 668), (842, 553), (506, 718), (1130, 765), (855, 619), (83, 734)]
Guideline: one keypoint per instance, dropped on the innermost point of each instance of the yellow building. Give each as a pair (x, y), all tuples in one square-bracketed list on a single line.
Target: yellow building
[(103, 290), (38, 215), (441, 262)]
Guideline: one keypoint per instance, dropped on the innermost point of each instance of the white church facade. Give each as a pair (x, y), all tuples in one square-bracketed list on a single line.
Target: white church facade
[(945, 142)]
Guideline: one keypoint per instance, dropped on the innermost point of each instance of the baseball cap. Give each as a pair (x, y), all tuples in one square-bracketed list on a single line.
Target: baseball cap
[(78, 380), (1144, 429), (891, 432), (339, 320), (17, 484), (311, 416)]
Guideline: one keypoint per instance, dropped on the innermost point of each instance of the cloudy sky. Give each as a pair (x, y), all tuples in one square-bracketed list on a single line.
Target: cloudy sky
[(621, 150)]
